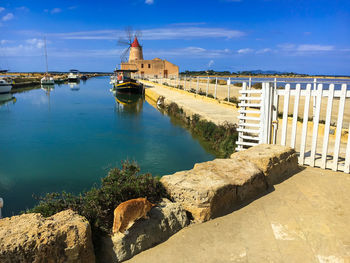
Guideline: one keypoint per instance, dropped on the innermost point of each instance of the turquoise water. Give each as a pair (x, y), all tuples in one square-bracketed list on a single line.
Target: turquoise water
[(69, 137)]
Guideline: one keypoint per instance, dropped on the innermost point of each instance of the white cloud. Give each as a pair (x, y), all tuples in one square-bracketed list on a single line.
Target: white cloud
[(73, 7), (306, 48), (245, 51), (1, 9), (8, 17), (23, 8), (56, 10), (194, 49), (264, 50), (5, 41), (211, 63), (149, 2), (188, 24), (34, 42), (286, 46), (157, 33)]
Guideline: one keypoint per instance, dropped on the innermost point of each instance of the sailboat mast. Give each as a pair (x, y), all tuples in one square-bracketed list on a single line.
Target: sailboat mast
[(47, 68)]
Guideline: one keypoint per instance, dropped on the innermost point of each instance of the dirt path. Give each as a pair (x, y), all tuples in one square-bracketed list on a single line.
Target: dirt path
[(304, 219)]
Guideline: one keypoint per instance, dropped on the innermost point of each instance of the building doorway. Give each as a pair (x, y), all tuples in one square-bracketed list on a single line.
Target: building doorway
[(165, 74)]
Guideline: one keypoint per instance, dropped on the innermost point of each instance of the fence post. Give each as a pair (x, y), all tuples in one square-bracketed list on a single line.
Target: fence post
[(314, 101), (216, 86), (197, 84), (185, 83), (206, 93), (242, 121), (228, 89), (250, 82), (266, 114)]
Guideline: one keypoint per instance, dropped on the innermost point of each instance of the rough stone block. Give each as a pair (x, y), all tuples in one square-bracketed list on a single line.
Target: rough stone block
[(277, 162), (212, 188), (165, 220), (64, 237)]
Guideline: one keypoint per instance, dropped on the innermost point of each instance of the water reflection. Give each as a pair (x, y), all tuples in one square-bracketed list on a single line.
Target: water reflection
[(128, 102), (47, 89), (74, 86), (7, 98)]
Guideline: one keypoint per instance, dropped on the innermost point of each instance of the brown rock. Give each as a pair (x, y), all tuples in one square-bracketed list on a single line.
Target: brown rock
[(212, 188), (277, 162), (64, 237)]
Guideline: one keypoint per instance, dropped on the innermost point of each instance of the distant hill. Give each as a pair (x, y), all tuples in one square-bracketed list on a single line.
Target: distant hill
[(246, 72)]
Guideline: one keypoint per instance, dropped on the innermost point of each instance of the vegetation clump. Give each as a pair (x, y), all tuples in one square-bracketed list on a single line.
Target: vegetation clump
[(97, 204), (257, 85), (233, 100), (220, 138)]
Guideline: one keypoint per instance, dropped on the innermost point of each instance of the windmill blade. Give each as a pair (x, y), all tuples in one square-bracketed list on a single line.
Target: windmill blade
[(123, 42), (124, 55), (129, 34), (138, 34)]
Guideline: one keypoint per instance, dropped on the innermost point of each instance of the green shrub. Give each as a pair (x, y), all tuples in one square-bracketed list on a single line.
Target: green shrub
[(192, 90), (97, 205), (257, 85), (201, 92), (210, 95), (238, 84), (233, 100), (221, 139)]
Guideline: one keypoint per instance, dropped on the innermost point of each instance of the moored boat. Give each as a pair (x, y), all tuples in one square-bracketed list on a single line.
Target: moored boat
[(73, 75), (5, 87), (123, 82), (47, 79)]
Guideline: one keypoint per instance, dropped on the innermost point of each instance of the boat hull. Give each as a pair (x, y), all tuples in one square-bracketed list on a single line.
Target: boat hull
[(129, 87), (5, 89)]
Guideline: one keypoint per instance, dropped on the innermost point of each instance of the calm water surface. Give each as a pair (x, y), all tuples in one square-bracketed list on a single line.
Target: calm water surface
[(69, 137)]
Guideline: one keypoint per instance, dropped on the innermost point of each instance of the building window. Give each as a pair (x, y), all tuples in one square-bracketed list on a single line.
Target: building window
[(149, 65), (141, 65)]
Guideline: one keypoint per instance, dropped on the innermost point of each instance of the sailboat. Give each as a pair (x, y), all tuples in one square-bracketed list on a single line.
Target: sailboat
[(47, 79)]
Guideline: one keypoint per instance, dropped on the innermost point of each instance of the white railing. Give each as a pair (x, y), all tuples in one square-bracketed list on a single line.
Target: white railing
[(305, 139)]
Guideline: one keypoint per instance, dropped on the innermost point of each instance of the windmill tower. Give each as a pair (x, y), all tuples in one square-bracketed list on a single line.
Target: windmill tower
[(133, 47), (135, 51)]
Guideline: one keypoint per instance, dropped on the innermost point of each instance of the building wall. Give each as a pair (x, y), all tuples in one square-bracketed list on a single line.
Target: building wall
[(155, 68)]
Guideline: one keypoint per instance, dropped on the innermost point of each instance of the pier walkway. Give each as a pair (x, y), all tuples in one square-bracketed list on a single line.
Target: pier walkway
[(209, 109), (304, 219)]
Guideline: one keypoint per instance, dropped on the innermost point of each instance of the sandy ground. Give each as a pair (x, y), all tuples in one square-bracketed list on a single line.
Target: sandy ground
[(303, 219)]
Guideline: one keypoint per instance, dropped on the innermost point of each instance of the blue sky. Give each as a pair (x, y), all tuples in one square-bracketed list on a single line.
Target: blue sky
[(304, 36)]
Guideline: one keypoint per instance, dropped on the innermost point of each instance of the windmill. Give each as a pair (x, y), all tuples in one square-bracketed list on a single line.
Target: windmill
[(130, 42)]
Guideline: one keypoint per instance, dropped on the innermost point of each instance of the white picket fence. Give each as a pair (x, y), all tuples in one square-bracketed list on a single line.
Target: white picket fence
[(258, 122)]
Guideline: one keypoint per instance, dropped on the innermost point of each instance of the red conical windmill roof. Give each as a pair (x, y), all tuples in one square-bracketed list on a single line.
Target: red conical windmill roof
[(135, 43)]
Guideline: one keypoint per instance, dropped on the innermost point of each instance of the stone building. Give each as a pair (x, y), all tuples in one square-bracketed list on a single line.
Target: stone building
[(155, 68)]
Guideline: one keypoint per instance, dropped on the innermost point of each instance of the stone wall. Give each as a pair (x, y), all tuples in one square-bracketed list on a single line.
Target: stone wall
[(215, 188)]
